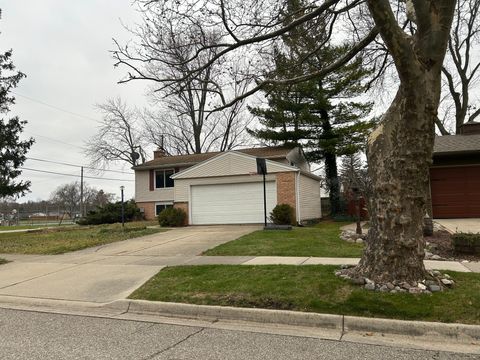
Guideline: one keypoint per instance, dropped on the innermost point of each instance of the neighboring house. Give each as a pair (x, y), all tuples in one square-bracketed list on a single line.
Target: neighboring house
[(224, 188), (455, 174)]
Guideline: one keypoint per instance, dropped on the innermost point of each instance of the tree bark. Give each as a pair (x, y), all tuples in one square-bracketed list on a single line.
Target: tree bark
[(400, 150), (399, 154)]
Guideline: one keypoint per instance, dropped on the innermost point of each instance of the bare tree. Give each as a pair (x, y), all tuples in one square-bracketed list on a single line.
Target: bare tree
[(399, 151), (184, 122), (118, 137), (462, 69), (68, 196)]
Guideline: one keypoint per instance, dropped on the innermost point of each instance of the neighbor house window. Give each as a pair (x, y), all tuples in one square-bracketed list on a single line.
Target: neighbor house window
[(163, 178), (159, 207)]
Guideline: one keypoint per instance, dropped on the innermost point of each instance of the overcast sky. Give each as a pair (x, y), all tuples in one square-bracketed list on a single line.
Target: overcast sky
[(63, 47)]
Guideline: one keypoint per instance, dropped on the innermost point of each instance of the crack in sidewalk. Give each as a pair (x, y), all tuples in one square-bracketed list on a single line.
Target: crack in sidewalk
[(174, 345)]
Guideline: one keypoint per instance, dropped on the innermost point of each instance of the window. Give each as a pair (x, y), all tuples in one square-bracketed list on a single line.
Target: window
[(159, 207), (163, 178)]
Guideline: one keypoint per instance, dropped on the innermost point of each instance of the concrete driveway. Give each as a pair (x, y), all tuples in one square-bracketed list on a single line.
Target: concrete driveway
[(109, 272), (460, 225)]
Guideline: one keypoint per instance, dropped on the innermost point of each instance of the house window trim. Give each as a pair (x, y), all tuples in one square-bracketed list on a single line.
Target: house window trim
[(164, 179), (162, 203)]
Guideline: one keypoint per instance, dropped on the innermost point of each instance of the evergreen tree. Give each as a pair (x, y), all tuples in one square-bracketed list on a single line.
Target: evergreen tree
[(314, 114), (12, 149)]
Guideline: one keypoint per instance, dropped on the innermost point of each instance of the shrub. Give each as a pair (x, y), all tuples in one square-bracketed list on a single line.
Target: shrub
[(466, 243), (172, 217), (112, 213), (283, 214)]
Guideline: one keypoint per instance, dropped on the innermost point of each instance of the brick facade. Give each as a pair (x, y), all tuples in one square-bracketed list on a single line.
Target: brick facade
[(149, 209), (286, 189), (184, 207)]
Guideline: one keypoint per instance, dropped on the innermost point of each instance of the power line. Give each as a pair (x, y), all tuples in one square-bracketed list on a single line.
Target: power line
[(56, 107), (51, 139), (85, 167), (77, 176)]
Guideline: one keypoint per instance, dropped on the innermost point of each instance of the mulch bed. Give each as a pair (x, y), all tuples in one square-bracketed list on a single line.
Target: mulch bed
[(440, 243)]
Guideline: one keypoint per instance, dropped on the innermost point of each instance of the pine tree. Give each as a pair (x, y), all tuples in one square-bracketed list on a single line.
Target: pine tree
[(314, 114), (12, 150)]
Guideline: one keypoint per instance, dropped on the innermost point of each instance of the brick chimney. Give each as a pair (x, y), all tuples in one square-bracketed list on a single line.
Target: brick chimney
[(159, 153), (470, 128)]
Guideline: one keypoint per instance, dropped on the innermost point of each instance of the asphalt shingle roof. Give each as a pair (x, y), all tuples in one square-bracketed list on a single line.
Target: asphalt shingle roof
[(192, 159), (449, 144)]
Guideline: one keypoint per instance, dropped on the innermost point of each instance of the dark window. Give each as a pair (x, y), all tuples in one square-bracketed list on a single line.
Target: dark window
[(163, 179), (168, 179), (160, 207)]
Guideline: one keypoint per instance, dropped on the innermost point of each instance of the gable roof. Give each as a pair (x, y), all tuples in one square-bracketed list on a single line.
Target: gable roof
[(278, 152), (230, 163), (456, 144)]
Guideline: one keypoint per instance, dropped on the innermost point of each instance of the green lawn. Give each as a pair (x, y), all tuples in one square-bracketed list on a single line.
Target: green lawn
[(321, 240), (65, 239), (308, 288)]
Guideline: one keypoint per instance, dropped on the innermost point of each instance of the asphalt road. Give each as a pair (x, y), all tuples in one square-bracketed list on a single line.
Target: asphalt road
[(33, 335)]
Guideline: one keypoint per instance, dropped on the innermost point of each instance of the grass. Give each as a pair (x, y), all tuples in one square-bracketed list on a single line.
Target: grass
[(3, 261), (65, 239), (321, 240), (311, 289)]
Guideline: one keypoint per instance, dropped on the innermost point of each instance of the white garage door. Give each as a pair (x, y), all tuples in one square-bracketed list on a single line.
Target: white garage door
[(231, 203)]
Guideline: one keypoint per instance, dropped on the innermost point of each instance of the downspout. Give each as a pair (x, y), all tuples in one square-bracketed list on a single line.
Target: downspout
[(297, 197)]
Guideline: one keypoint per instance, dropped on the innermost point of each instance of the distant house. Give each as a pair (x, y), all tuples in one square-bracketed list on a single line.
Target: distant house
[(455, 174), (224, 187)]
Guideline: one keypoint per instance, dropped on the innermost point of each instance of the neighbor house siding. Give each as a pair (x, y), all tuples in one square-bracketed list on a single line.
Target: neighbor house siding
[(143, 192), (182, 186), (309, 198)]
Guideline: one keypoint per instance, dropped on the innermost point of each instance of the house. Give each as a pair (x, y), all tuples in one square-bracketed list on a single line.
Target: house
[(455, 174), (224, 187)]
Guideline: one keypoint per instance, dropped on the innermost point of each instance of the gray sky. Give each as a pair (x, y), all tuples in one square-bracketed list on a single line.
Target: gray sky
[(63, 46)]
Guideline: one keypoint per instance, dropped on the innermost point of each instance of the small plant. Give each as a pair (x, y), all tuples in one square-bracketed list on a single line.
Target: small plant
[(283, 214), (466, 243), (172, 217)]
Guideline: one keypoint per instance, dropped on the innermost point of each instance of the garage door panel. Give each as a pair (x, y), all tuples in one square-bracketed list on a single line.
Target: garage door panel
[(455, 192), (231, 203)]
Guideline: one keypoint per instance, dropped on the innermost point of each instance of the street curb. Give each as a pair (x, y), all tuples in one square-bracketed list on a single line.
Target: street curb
[(328, 321), (458, 332), (347, 324)]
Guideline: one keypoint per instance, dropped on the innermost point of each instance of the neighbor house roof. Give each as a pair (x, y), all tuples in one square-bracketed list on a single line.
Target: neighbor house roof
[(192, 159), (456, 144)]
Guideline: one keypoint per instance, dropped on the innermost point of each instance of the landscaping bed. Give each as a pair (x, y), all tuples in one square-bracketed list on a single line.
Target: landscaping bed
[(439, 246), (61, 240), (313, 288), (322, 240)]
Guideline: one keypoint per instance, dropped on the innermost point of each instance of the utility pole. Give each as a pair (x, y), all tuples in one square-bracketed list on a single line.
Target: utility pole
[(81, 192)]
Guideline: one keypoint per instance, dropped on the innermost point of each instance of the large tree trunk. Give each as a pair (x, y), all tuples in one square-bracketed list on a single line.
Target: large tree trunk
[(400, 150), (399, 154)]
